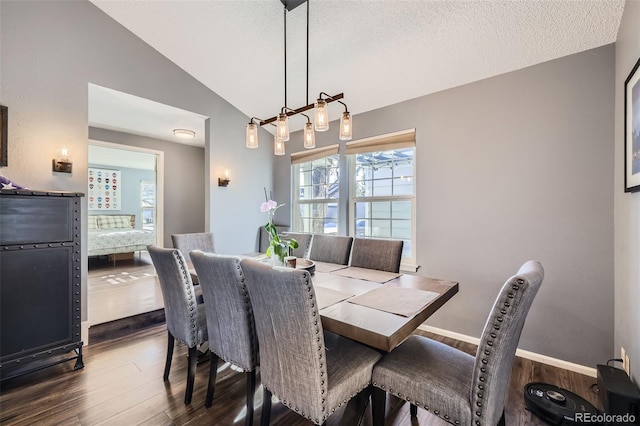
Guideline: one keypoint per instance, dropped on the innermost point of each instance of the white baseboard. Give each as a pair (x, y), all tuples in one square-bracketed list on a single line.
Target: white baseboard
[(84, 332), (577, 368)]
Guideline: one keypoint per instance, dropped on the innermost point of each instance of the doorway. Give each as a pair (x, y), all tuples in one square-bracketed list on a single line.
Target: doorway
[(121, 279)]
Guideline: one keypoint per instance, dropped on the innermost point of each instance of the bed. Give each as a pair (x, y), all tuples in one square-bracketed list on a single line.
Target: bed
[(114, 234)]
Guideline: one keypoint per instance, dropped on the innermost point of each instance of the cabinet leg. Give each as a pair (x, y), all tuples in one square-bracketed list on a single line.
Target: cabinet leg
[(79, 362)]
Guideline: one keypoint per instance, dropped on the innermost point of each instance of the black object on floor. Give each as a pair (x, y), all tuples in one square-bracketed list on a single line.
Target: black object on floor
[(558, 406)]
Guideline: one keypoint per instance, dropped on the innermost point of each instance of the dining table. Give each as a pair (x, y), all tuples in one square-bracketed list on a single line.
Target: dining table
[(377, 308)]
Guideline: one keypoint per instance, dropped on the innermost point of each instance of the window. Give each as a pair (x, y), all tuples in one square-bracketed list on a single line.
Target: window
[(382, 190), (316, 175), (148, 204)]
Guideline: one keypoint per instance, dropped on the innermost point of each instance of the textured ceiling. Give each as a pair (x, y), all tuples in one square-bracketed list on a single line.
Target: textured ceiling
[(378, 52)]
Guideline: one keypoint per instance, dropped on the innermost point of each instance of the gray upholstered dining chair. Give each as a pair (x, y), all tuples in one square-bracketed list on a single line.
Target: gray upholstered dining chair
[(310, 371), (303, 240), (371, 253), (232, 332), (330, 249), (194, 241), (185, 318), (455, 386)]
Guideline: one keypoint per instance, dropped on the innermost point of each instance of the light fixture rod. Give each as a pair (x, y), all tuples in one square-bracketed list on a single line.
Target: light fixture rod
[(302, 109), (285, 56), (307, 52)]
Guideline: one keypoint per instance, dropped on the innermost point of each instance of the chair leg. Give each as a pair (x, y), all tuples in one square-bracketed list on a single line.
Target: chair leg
[(266, 407), (501, 422), (191, 373), (413, 410), (167, 364), (378, 406), (251, 389), (213, 371)]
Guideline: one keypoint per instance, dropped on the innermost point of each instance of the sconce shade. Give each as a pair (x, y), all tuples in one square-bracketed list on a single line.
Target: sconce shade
[(321, 116), (224, 181), (278, 146), (251, 138), (345, 126), (309, 136), (282, 127), (62, 162)]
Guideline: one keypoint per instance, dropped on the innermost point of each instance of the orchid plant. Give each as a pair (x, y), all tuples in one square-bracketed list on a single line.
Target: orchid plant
[(279, 247)]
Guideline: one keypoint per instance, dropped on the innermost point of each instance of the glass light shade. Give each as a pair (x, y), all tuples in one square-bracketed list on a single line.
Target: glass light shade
[(64, 155), (345, 126), (282, 127), (278, 146), (251, 139), (309, 136), (321, 116)]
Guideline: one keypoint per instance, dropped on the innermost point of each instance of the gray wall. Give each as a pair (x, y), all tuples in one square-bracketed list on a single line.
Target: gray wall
[(627, 206), (184, 180), (511, 168), (52, 50)]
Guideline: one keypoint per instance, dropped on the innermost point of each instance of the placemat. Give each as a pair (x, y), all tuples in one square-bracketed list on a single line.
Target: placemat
[(328, 267), (367, 274), (397, 300), (328, 296)]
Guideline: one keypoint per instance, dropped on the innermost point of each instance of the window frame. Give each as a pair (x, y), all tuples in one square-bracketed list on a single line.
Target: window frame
[(305, 157), (393, 141)]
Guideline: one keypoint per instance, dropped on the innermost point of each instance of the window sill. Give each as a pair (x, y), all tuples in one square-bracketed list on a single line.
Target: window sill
[(409, 267)]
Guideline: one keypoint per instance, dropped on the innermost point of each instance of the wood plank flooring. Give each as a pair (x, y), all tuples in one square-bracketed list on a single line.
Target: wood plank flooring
[(122, 384), (122, 381), (123, 289)]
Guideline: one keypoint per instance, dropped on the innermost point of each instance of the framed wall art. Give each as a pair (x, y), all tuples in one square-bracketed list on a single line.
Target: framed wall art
[(632, 130), (104, 192)]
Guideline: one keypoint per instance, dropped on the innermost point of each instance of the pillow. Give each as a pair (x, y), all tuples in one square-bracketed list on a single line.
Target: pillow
[(92, 223), (114, 221)]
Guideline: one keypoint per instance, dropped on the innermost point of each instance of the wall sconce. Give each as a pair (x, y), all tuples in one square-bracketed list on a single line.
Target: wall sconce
[(62, 163), (224, 181)]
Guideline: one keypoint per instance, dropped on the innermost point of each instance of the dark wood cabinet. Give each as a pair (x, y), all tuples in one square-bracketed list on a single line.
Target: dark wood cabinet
[(40, 280)]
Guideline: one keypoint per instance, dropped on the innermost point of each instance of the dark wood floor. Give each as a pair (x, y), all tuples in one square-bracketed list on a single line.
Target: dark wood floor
[(121, 384), (122, 381)]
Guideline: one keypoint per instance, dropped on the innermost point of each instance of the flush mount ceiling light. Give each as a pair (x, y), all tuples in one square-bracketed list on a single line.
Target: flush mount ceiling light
[(321, 115), (184, 133)]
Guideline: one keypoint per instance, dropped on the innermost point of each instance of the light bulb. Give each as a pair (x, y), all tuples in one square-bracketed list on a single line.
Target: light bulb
[(321, 116), (345, 126), (251, 139), (282, 129), (309, 136), (278, 146)]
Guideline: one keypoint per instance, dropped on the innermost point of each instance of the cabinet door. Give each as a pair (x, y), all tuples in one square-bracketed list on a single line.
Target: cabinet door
[(36, 300), (32, 220)]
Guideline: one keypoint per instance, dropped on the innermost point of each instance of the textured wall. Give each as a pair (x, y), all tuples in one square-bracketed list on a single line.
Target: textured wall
[(52, 50), (511, 168), (627, 206)]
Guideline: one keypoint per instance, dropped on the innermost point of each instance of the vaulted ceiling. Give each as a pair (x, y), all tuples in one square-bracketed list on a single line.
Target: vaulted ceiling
[(378, 52)]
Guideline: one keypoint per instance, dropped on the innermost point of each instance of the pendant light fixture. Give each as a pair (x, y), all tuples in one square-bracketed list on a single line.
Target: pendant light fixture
[(321, 113)]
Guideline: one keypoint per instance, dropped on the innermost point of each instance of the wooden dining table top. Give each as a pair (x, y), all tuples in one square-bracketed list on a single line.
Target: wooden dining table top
[(375, 327)]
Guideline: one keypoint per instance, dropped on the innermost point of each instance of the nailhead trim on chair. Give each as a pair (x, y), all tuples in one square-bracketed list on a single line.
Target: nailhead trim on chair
[(186, 281), (325, 412), (487, 352)]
